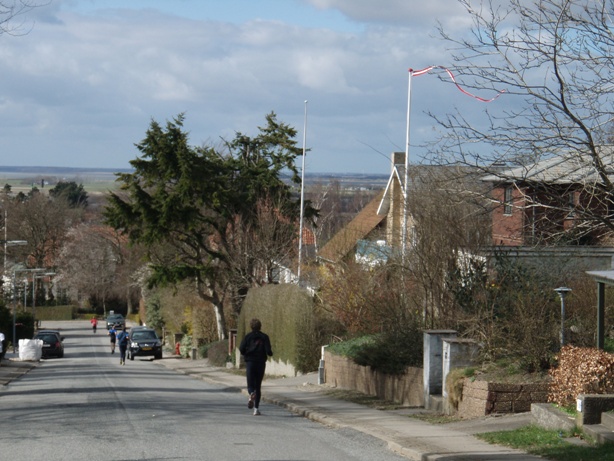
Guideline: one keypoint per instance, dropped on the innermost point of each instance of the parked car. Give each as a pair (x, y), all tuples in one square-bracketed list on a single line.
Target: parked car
[(52, 343), (144, 342), (116, 320)]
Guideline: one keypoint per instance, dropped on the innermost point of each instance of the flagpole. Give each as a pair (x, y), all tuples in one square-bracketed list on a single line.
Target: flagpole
[(406, 179), (300, 232)]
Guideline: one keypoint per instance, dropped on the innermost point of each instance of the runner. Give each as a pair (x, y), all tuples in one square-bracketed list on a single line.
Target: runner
[(113, 335), (122, 340), (94, 323)]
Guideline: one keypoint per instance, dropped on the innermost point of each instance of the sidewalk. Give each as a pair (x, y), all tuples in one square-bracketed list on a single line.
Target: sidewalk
[(11, 368), (410, 437), (413, 438)]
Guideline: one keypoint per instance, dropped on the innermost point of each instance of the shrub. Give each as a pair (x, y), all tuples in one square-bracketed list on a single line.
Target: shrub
[(392, 352), (185, 346), (350, 347), (217, 353), (289, 318), (581, 371)]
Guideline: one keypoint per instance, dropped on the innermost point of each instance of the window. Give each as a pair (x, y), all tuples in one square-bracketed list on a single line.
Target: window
[(508, 200), (571, 202)]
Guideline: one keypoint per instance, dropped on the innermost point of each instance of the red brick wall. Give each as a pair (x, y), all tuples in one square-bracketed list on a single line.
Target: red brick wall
[(507, 230)]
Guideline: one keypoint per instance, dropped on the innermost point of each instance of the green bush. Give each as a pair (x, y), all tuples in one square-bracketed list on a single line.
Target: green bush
[(65, 312), (185, 346), (392, 352), (217, 353), (288, 316), (351, 347)]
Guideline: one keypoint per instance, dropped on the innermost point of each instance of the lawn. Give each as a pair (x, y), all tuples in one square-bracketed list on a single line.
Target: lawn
[(549, 444)]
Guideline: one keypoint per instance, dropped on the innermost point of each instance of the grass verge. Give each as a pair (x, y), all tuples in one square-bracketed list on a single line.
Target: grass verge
[(548, 444)]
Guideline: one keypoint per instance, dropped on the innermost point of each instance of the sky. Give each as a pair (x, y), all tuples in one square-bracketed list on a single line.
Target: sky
[(81, 80)]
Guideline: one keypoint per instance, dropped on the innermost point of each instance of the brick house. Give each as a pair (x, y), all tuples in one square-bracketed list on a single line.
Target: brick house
[(552, 202)]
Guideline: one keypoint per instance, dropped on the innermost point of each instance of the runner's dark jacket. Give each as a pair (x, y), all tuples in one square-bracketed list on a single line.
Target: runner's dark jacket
[(256, 347)]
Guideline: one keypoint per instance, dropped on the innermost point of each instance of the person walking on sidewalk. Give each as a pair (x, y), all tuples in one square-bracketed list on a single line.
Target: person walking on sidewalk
[(256, 348), (2, 346), (122, 341), (113, 336)]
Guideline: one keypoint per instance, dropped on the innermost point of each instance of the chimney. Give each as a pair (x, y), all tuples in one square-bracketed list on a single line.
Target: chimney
[(398, 158)]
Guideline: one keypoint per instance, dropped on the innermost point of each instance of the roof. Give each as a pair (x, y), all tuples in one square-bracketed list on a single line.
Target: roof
[(358, 228), (606, 277), (561, 169)]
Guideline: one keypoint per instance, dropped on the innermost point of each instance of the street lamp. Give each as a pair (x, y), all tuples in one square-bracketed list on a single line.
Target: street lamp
[(562, 291), (15, 271), (34, 277), (11, 243)]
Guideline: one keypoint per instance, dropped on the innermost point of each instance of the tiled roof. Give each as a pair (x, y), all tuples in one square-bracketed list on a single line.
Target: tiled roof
[(563, 169)]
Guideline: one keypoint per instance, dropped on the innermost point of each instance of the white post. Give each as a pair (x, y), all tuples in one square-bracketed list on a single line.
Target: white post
[(300, 231), (406, 179)]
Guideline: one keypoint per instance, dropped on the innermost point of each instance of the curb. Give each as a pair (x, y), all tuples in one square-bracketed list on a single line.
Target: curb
[(297, 409)]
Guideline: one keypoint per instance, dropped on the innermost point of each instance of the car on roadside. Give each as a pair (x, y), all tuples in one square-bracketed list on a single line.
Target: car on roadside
[(144, 342), (116, 320), (53, 345)]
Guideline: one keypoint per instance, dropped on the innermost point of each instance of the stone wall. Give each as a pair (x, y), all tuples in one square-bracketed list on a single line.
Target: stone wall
[(406, 389), (482, 398)]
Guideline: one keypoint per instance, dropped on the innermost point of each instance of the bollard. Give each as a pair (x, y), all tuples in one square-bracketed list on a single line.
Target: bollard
[(193, 353), (321, 372)]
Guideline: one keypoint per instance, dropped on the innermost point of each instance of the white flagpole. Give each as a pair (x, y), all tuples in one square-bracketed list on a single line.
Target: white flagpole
[(300, 232), (406, 179)]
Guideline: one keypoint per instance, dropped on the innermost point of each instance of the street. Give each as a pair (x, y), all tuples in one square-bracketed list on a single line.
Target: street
[(86, 406)]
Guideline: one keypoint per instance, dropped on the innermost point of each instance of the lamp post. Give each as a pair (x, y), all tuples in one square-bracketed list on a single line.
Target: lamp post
[(34, 277), (11, 243), (15, 271), (562, 292)]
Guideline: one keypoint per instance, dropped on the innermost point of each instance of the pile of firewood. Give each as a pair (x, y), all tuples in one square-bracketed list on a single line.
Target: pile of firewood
[(581, 370)]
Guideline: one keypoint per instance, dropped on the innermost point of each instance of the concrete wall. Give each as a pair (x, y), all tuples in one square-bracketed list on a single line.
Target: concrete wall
[(406, 389), (481, 398), (590, 407)]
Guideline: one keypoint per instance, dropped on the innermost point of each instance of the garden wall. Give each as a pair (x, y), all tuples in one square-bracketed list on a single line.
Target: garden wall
[(481, 398), (406, 389)]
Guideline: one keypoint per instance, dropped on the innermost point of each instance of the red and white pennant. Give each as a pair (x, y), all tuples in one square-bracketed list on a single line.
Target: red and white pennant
[(428, 69)]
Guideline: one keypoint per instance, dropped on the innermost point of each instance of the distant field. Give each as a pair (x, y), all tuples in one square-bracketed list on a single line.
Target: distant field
[(23, 179), (98, 181)]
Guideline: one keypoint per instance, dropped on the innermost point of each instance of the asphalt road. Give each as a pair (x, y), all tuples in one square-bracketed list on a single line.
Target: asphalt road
[(87, 406)]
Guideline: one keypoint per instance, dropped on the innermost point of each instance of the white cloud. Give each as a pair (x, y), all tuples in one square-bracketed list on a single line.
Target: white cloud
[(82, 86)]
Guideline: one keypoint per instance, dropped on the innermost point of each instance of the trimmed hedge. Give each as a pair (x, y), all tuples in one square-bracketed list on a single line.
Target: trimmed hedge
[(56, 312), (287, 315)]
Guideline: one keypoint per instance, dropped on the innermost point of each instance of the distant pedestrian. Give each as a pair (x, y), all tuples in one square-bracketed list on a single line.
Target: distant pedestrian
[(256, 348), (94, 323), (122, 341), (2, 345), (113, 337)]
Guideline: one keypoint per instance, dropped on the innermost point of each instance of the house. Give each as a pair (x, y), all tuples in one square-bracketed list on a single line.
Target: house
[(557, 201), (553, 214), (374, 232)]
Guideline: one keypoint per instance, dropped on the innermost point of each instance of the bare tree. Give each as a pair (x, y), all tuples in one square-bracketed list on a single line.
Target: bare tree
[(554, 59), (95, 263), (10, 10), (43, 223), (451, 226)]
